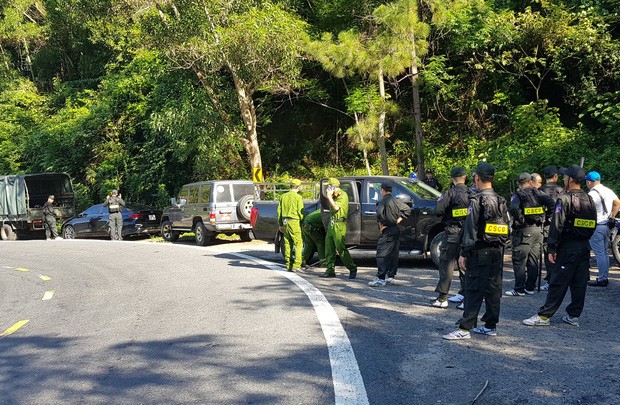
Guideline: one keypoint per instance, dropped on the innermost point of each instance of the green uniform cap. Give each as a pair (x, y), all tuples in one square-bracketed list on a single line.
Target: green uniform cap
[(332, 181)]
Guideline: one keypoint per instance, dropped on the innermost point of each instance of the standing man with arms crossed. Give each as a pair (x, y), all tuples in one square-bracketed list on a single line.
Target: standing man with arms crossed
[(114, 202), (572, 225), (485, 234), (554, 190), (607, 205), (337, 230), (527, 206), (390, 212), (290, 214), (452, 207)]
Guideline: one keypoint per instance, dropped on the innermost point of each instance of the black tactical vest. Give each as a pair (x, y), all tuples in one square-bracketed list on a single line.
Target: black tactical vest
[(459, 201), (581, 217), (493, 225), (531, 207)]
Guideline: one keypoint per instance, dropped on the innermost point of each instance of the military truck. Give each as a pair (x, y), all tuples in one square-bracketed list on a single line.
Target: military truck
[(21, 202)]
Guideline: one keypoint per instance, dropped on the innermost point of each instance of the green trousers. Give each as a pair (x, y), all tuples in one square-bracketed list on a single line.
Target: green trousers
[(314, 241), (292, 238), (335, 242)]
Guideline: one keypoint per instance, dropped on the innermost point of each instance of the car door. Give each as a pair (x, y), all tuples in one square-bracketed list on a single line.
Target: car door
[(371, 195), (83, 224), (101, 222), (190, 210)]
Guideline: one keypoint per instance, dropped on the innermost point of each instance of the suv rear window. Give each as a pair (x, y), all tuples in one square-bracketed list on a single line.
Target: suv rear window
[(240, 190)]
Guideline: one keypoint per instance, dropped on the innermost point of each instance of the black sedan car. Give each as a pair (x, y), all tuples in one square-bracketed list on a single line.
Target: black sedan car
[(94, 222)]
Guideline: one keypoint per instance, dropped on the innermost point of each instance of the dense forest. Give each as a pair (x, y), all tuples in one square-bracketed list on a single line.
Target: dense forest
[(146, 95)]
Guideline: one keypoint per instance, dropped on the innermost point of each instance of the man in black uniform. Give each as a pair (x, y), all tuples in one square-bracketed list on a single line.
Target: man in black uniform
[(390, 212), (485, 234), (452, 207), (527, 207), (49, 217), (114, 203), (430, 180), (572, 225), (554, 190)]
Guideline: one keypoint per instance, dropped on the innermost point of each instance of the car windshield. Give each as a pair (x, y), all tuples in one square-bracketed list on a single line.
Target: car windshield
[(419, 188)]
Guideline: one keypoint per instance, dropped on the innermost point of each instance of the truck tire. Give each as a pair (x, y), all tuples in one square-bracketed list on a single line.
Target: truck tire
[(435, 247), (246, 236), (6, 232), (615, 247), (167, 233), (202, 234), (244, 207)]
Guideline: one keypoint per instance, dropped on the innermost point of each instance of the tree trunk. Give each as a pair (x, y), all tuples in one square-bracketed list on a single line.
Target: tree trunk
[(248, 115), (416, 108), (364, 150), (382, 151)]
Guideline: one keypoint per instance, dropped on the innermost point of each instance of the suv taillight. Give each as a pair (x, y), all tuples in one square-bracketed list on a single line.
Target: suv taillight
[(212, 217), (136, 216)]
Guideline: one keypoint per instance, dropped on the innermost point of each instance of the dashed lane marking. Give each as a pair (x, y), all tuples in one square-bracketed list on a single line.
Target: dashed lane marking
[(44, 278), (22, 269), (349, 386), (14, 328), (48, 295)]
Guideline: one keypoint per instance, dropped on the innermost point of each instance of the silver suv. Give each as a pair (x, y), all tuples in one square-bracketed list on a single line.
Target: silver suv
[(208, 208)]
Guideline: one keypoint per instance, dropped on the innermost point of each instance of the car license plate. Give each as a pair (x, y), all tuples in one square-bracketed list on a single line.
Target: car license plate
[(152, 217)]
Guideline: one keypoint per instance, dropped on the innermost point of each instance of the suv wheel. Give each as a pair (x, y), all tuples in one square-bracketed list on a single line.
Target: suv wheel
[(615, 247), (202, 234), (245, 236), (167, 233), (244, 208), (435, 247)]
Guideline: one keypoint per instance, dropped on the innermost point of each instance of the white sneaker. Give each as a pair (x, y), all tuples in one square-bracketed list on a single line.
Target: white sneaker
[(545, 287), (377, 283), (439, 304), (461, 306), (528, 292), (390, 280), (456, 298), (514, 293), (457, 335), (58, 238), (536, 321), (48, 239), (570, 320)]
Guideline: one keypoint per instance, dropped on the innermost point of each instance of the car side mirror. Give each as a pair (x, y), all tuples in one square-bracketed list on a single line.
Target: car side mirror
[(81, 215)]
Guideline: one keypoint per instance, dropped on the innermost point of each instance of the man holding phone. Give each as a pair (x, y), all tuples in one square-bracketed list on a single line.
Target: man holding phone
[(337, 230)]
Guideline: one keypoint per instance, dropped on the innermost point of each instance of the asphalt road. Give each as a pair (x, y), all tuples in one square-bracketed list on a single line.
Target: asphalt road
[(144, 323)]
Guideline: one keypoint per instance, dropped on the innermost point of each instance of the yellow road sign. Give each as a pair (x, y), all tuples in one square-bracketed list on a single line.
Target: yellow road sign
[(257, 175)]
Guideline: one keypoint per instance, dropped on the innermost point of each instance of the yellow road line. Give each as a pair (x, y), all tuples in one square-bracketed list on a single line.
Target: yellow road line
[(48, 295), (22, 269), (44, 278), (14, 328)]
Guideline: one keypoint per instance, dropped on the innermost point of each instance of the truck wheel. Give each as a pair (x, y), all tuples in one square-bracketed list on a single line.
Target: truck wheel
[(167, 233), (245, 236), (615, 247), (68, 232), (435, 247), (6, 233), (244, 208), (202, 234)]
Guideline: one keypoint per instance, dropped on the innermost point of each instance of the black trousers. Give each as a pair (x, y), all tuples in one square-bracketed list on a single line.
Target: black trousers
[(483, 281), (572, 270), (448, 257), (526, 250), (388, 246), (50, 227)]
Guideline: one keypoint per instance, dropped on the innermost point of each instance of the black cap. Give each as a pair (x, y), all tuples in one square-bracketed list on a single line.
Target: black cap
[(429, 171), (484, 169), (458, 171), (524, 177), (576, 172), (387, 187), (550, 171)]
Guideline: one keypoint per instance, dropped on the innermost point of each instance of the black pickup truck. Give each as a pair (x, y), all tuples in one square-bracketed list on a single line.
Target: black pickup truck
[(418, 231)]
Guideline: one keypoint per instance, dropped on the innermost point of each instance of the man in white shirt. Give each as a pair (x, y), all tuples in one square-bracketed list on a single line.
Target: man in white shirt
[(607, 205)]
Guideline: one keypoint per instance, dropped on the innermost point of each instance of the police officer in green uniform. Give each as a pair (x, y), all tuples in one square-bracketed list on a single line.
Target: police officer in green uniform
[(572, 226), (290, 214), (313, 233), (452, 207), (114, 202), (336, 236), (485, 234), (528, 207), (49, 218)]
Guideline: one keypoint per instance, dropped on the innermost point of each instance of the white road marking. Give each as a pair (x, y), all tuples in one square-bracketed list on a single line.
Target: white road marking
[(349, 386), (48, 295)]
